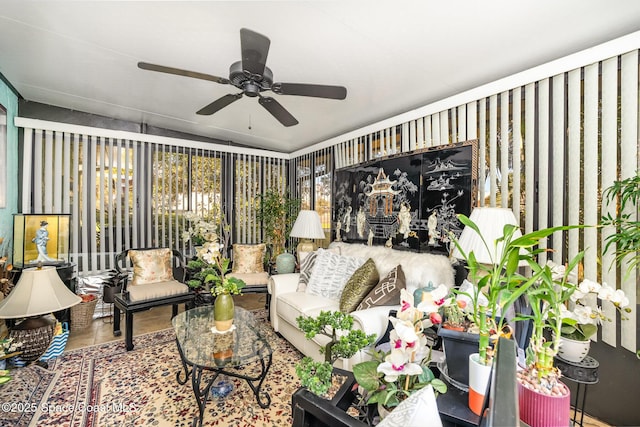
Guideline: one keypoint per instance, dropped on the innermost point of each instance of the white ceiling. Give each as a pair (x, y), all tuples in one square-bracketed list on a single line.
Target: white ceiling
[(392, 56)]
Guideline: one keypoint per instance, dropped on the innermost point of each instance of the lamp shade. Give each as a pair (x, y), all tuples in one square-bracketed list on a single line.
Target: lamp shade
[(307, 226), (490, 222), (38, 291)]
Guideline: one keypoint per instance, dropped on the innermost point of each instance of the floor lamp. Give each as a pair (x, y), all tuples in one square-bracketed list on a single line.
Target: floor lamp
[(39, 292)]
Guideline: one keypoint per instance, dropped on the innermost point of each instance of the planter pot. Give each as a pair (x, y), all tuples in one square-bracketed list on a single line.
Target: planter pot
[(573, 350), (479, 375), (285, 263), (539, 410), (223, 311), (458, 346)]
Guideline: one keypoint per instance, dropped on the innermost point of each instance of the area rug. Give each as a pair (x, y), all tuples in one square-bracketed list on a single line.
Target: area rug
[(21, 398), (104, 385)]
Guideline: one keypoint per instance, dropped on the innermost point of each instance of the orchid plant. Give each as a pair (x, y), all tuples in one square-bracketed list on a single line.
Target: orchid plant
[(580, 317), (200, 230), (394, 375)]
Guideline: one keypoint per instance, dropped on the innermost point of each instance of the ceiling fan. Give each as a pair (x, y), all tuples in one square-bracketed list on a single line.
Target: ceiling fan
[(253, 77)]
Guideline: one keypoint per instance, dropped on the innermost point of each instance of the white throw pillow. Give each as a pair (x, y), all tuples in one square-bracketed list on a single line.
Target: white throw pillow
[(330, 273), (418, 410)]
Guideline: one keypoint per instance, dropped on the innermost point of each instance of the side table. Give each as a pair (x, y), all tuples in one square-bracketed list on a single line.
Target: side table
[(583, 374)]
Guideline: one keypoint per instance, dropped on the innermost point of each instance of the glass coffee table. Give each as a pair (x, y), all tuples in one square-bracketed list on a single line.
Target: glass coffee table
[(202, 348)]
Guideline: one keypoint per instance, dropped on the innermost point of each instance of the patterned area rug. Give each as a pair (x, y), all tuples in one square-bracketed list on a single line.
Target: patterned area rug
[(104, 385), (21, 398)]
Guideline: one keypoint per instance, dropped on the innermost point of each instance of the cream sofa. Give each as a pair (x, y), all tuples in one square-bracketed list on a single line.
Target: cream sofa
[(287, 303)]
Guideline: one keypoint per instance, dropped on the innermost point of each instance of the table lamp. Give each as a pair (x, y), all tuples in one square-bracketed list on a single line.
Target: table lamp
[(307, 227), (39, 292), (490, 222)]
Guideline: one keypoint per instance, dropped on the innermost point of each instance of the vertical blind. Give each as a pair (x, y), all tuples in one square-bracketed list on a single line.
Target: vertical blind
[(549, 147), (130, 192)]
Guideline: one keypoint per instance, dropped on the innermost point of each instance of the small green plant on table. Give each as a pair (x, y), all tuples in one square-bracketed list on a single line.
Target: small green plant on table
[(316, 376)]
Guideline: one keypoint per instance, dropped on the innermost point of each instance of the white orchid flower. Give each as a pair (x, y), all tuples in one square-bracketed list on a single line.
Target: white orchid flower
[(432, 301), (606, 292), (584, 315), (396, 364), (588, 286), (407, 310), (620, 299), (404, 330)]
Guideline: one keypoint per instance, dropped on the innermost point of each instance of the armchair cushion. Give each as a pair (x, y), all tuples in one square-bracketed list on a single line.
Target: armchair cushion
[(151, 266), (248, 259), (252, 279), (157, 290), (387, 291), (358, 286)]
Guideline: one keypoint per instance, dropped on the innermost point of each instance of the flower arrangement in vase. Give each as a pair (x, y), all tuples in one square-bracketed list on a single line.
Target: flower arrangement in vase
[(392, 376)]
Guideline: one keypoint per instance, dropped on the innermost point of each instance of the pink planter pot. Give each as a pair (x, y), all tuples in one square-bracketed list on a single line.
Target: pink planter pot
[(539, 410)]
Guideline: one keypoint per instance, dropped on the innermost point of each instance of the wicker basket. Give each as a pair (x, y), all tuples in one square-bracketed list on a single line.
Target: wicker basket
[(82, 314)]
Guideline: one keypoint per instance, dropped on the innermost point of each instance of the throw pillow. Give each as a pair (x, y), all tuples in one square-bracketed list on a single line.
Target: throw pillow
[(151, 266), (387, 291), (331, 273), (305, 271), (358, 286), (248, 259), (414, 410)]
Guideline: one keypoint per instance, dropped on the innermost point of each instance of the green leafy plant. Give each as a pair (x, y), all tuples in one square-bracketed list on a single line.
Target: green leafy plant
[(210, 271), (277, 212), (316, 376), (499, 284), (626, 238)]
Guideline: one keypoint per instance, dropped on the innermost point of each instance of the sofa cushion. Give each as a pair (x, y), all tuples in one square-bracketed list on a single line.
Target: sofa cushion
[(387, 291), (419, 268), (248, 259), (330, 273), (305, 270), (358, 286), (294, 304), (151, 266)]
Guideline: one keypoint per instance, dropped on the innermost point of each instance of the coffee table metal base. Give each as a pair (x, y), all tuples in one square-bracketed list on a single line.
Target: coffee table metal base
[(202, 394)]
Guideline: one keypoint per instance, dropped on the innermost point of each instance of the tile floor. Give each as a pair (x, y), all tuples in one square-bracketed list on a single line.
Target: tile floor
[(159, 318)]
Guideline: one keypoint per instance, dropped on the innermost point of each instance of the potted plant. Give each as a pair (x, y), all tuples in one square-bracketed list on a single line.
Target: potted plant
[(580, 319), (626, 237), (498, 285), (277, 212), (213, 276), (317, 376), (392, 376)]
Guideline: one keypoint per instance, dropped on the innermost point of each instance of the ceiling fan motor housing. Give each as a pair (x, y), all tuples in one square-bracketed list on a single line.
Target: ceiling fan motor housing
[(251, 84)]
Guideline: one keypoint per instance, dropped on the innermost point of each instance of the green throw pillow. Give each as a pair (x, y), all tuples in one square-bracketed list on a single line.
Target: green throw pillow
[(358, 286)]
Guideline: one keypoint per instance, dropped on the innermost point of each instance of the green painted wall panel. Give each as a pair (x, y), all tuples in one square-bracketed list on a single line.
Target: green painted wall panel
[(9, 101)]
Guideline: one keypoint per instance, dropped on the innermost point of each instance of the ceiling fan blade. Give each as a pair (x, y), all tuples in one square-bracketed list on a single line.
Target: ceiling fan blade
[(278, 111), (219, 104), (255, 48), (302, 89), (180, 72)]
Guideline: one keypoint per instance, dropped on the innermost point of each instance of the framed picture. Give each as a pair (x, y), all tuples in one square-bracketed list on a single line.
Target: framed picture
[(3, 157), (407, 201), (449, 188)]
